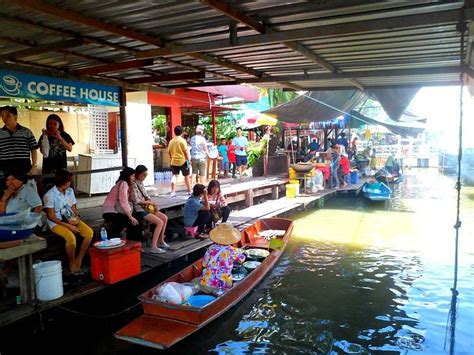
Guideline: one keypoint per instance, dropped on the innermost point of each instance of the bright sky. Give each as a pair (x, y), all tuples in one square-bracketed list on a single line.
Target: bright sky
[(440, 105)]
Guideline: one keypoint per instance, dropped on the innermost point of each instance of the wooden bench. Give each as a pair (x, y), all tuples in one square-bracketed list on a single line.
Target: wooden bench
[(23, 251)]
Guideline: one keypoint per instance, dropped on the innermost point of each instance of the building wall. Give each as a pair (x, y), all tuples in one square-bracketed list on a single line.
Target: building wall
[(140, 137)]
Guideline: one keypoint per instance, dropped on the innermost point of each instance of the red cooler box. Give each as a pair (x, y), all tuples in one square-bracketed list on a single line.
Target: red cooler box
[(116, 264)]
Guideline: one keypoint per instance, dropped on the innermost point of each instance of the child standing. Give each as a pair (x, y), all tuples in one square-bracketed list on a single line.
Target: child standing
[(223, 152), (231, 155)]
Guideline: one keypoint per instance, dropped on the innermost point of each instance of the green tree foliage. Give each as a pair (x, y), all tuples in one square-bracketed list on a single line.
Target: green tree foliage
[(226, 126), (159, 124), (278, 96)]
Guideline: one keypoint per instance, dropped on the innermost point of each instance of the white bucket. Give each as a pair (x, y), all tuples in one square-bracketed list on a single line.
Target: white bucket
[(48, 280)]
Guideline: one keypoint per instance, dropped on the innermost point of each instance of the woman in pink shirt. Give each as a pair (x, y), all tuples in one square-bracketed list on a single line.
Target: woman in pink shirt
[(117, 208)]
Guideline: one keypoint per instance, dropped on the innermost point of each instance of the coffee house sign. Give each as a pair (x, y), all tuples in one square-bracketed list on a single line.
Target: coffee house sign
[(29, 86)]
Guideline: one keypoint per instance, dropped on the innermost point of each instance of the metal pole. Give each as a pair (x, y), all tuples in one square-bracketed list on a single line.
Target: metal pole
[(214, 133), (123, 127)]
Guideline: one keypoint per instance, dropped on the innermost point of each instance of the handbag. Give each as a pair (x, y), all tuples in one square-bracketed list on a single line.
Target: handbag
[(216, 214), (118, 207), (150, 209)]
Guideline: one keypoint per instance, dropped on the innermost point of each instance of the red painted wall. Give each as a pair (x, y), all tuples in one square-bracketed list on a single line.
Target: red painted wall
[(181, 98)]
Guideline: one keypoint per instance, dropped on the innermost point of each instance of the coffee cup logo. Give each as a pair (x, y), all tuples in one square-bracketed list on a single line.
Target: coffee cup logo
[(11, 85)]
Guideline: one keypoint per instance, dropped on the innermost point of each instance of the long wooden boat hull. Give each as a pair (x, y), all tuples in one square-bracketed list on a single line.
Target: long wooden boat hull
[(164, 324)]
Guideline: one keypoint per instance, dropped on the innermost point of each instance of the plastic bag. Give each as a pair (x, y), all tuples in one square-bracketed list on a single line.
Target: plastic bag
[(175, 293), (45, 145), (318, 180), (19, 221)]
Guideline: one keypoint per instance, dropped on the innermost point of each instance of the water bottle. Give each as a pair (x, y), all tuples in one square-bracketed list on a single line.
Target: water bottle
[(103, 234)]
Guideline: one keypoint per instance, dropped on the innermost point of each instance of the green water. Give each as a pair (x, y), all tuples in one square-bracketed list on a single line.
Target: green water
[(363, 278)]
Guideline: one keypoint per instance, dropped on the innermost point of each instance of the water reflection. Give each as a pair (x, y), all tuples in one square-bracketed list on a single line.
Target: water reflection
[(361, 279)]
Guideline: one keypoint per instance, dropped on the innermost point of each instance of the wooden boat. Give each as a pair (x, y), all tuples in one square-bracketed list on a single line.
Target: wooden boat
[(164, 324), (377, 191)]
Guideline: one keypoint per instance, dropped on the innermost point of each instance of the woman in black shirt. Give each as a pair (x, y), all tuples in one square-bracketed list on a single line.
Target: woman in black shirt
[(59, 142)]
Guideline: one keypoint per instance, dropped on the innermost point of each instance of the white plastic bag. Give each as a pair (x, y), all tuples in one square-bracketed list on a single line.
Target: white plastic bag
[(19, 221), (318, 180), (174, 292), (45, 145)]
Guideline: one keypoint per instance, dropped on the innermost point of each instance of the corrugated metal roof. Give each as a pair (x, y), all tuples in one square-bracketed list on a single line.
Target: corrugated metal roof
[(337, 36)]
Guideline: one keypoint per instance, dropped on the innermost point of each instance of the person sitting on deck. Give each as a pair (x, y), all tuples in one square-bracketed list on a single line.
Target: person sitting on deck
[(20, 195), (344, 169), (217, 203), (117, 209), (64, 219), (144, 207), (219, 259), (196, 211)]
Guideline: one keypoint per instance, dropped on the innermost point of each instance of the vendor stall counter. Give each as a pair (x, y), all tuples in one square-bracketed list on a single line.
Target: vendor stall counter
[(95, 183)]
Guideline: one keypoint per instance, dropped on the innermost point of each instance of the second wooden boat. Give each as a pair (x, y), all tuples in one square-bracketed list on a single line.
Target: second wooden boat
[(377, 191), (164, 324)]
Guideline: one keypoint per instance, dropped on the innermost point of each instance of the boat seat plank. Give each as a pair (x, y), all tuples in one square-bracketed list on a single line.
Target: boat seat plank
[(157, 332)]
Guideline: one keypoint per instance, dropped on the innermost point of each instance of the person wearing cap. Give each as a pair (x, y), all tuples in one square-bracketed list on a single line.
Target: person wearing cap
[(17, 145), (219, 259), (199, 155)]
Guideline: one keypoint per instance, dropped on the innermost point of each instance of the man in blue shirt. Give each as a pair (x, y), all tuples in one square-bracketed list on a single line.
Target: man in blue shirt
[(240, 142), (196, 210), (313, 146), (342, 140)]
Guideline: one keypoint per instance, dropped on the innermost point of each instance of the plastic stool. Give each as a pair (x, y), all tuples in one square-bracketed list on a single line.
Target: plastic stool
[(190, 231)]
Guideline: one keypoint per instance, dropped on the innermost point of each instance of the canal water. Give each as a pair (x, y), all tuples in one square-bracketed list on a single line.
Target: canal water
[(356, 278), (362, 277)]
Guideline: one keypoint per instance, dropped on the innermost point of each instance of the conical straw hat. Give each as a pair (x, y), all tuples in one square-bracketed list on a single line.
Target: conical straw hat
[(225, 234)]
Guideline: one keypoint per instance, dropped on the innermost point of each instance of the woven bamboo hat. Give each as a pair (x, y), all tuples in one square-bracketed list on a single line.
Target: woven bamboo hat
[(225, 234)]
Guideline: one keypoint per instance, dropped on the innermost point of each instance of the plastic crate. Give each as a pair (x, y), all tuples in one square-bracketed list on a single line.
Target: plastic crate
[(116, 264)]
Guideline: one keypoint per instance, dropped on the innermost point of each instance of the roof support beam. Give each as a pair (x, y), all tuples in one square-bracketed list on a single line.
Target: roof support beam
[(346, 75), (420, 84), (67, 34), (91, 22), (227, 64), (93, 40), (50, 47), (114, 67), (224, 7), (168, 77), (408, 21), (87, 21), (228, 10)]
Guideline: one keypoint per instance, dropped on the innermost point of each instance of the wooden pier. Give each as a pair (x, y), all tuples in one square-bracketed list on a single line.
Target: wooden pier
[(182, 248)]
